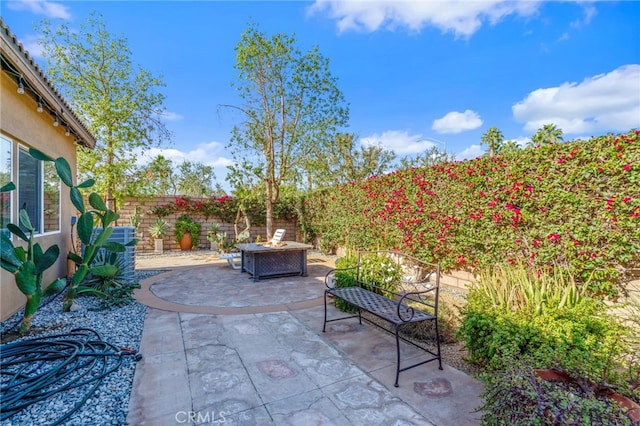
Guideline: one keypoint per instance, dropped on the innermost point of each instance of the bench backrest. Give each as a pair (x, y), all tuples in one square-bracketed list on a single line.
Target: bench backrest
[(277, 236), (395, 274)]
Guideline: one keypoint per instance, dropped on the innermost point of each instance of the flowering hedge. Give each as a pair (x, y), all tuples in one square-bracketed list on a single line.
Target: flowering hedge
[(574, 204), (225, 208)]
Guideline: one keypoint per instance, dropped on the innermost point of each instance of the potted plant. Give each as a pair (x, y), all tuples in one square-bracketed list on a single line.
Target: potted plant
[(158, 230), (212, 236), (187, 232)]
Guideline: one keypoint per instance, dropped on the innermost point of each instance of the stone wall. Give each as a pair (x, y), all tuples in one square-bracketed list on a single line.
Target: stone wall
[(146, 243)]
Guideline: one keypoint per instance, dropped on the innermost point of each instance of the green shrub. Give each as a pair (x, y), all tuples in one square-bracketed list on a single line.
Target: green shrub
[(579, 337), (516, 396), (184, 224), (346, 278), (112, 288)]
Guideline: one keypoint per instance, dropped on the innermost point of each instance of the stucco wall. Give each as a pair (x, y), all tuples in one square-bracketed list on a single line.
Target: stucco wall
[(20, 122)]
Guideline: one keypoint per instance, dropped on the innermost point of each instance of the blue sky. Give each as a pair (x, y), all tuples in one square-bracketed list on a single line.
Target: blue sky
[(415, 73)]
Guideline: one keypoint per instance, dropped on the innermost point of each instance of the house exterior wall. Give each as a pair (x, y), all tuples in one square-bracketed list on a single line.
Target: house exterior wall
[(23, 125)]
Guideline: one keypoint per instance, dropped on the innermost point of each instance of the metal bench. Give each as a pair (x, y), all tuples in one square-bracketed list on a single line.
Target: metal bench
[(413, 300), (231, 258)]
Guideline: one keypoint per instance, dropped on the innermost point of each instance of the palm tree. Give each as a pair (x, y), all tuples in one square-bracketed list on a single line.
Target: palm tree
[(493, 138), (546, 135), (510, 146)]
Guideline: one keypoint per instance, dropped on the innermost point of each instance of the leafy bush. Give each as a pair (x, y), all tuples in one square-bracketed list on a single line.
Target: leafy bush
[(185, 224), (113, 288), (575, 205), (517, 396), (558, 330)]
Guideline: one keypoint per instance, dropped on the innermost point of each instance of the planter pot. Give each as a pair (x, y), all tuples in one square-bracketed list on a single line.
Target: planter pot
[(186, 242), (630, 407), (158, 245), (214, 246)]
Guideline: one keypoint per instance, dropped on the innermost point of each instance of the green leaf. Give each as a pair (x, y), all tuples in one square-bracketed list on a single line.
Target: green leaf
[(109, 217), (39, 155), (24, 220), (114, 246), (132, 243), (104, 270), (10, 261), (80, 275), (75, 258), (8, 187), (64, 171), (47, 259), (55, 287), (26, 279), (85, 227), (76, 199), (90, 291), (17, 231), (87, 183), (103, 236), (96, 202)]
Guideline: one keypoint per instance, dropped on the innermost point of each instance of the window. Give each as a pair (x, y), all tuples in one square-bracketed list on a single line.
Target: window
[(5, 178), (39, 192)]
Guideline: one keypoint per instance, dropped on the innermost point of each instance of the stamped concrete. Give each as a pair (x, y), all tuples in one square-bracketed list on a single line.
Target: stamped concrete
[(219, 348)]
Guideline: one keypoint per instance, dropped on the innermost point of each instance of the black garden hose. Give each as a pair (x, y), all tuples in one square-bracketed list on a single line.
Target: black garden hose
[(32, 370)]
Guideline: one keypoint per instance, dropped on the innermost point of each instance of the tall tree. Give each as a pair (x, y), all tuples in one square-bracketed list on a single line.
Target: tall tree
[(119, 103), (158, 177), (546, 135), (292, 104), (343, 161), (428, 158), (195, 179), (493, 138), (510, 146)]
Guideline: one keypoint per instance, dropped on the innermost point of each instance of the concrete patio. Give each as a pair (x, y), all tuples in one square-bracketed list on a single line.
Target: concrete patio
[(220, 348)]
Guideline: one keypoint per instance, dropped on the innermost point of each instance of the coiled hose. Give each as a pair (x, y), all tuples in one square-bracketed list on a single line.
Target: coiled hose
[(32, 370)]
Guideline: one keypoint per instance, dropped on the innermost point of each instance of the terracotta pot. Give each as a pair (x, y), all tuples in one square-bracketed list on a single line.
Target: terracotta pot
[(186, 242), (630, 407)]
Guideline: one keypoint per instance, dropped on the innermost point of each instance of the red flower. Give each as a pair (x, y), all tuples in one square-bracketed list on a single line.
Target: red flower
[(554, 237)]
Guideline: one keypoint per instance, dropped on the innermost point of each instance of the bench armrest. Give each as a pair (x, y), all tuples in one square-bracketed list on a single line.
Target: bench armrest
[(329, 278), (411, 296)]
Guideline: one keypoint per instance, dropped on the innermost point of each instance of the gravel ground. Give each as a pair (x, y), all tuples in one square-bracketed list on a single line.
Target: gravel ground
[(117, 327)]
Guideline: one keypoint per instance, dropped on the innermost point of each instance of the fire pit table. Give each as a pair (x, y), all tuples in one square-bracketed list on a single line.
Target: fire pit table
[(264, 260)]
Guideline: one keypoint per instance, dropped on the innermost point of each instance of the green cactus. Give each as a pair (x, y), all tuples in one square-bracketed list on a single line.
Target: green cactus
[(85, 227), (28, 266)]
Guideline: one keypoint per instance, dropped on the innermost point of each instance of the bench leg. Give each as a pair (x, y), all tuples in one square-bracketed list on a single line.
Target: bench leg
[(397, 357), (324, 326)]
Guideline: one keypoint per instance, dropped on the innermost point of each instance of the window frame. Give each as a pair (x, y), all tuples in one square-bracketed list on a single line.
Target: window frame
[(40, 226), (10, 162)]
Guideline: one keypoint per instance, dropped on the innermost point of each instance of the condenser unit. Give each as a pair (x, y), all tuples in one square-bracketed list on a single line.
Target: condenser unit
[(122, 235)]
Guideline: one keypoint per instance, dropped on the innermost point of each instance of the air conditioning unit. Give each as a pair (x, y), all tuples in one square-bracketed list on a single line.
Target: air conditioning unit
[(122, 235)]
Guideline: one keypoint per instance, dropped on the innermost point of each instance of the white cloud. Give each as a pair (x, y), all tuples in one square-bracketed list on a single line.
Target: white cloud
[(589, 12), (30, 43), (206, 153), (461, 17), (457, 122), (47, 8), (171, 116), (605, 102), (474, 151), (210, 154), (400, 141)]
